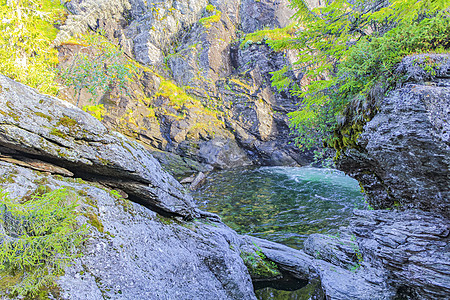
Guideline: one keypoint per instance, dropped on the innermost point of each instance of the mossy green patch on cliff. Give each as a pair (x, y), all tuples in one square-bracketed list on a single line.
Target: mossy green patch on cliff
[(175, 94), (9, 179), (94, 221), (269, 35), (42, 115), (97, 111), (58, 133), (241, 83), (258, 265), (207, 22), (67, 122)]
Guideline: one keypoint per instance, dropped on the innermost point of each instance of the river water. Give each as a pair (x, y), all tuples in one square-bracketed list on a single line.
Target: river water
[(281, 204)]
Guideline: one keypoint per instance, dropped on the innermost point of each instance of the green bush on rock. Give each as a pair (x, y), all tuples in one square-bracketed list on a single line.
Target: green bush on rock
[(26, 34), (39, 239)]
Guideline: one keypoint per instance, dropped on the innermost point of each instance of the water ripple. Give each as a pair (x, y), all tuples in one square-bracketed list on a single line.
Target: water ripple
[(281, 204)]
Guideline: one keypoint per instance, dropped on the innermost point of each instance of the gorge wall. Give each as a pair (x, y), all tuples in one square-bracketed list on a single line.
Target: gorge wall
[(231, 115), (162, 245)]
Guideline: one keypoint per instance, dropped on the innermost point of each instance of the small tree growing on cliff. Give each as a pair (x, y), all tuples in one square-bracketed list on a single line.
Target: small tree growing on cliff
[(98, 67), (39, 239)]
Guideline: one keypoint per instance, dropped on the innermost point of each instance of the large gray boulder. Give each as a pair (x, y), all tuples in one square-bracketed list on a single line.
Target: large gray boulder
[(44, 127), (403, 154), (133, 252)]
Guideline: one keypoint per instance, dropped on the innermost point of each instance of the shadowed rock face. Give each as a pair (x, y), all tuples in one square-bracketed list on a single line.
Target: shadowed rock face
[(403, 158)]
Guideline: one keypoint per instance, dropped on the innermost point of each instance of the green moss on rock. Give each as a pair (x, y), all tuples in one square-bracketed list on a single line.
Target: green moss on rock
[(58, 133), (67, 122), (259, 266), (94, 221)]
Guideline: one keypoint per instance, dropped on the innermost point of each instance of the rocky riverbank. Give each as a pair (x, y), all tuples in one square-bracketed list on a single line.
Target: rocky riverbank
[(158, 244)]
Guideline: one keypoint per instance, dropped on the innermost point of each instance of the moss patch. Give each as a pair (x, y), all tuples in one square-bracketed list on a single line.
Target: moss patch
[(67, 122), (214, 18), (94, 221), (259, 266), (58, 133), (268, 35), (42, 115)]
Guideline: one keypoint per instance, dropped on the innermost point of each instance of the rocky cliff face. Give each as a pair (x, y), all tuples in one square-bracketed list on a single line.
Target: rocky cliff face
[(402, 161), (402, 157), (234, 116)]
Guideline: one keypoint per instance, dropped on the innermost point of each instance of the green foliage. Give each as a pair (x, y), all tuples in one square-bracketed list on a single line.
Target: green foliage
[(258, 265), (283, 81), (347, 49), (213, 18), (177, 96), (26, 33), (98, 111), (357, 254), (210, 8), (98, 67), (39, 240), (273, 37)]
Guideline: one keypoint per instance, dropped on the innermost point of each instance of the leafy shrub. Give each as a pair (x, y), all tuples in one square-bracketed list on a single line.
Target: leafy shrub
[(39, 239)]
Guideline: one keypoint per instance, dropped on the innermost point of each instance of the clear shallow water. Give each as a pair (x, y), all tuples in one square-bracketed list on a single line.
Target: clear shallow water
[(281, 204)]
